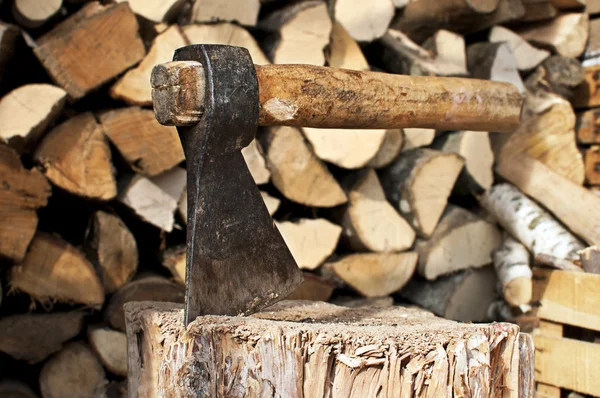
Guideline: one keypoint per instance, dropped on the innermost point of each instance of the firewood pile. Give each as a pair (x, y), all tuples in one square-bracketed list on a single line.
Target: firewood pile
[(92, 188)]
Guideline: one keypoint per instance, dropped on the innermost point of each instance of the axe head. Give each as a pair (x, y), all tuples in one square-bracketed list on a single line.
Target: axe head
[(237, 261)]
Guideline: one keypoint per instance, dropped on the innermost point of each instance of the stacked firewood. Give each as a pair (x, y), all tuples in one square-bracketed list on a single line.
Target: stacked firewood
[(92, 188)]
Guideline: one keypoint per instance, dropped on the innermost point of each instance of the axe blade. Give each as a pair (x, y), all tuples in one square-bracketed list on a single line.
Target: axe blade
[(237, 261)]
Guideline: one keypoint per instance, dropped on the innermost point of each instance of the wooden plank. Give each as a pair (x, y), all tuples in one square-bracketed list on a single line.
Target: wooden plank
[(566, 297), (567, 363)]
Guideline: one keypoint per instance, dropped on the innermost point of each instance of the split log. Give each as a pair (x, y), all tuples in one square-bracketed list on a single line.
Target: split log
[(346, 148), (73, 50), (22, 192), (156, 10), (111, 348), (148, 288), (529, 223), (565, 200), (376, 274), (566, 35), (370, 223), (34, 337), (134, 87), (461, 240), (588, 127), (313, 288), (174, 259), (271, 202), (422, 18), (245, 12), (593, 46), (310, 241), (550, 138), (364, 21), (33, 14), (389, 150), (494, 61), (511, 262), (27, 111), (474, 147), (54, 271), (592, 165), (16, 389), (253, 155), (226, 33), (302, 30), (449, 53), (75, 156), (527, 56), (112, 249), (296, 172), (463, 296), (587, 94), (392, 358), (563, 74), (590, 259), (593, 7), (343, 52), (417, 138), (173, 182), (73, 372), (538, 10), (399, 54), (418, 184), (9, 37), (148, 201), (147, 146)]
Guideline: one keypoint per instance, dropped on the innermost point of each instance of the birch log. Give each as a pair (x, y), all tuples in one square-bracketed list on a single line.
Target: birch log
[(511, 262)]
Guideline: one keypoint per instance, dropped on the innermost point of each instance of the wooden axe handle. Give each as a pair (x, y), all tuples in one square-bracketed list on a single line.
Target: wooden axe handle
[(322, 97)]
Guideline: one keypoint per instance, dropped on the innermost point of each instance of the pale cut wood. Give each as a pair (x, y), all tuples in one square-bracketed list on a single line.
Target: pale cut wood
[(461, 240), (310, 241), (34, 337), (92, 46), (313, 288), (27, 111), (399, 54), (418, 184), (349, 149), (148, 201), (253, 155), (75, 156), (567, 363), (592, 165), (567, 297), (463, 296), (417, 138), (587, 95), (297, 173), (475, 148), (511, 262), (33, 14), (112, 248), (494, 61), (110, 347), (174, 259), (156, 10), (449, 52), (54, 271), (376, 274), (593, 7), (226, 33), (593, 46), (566, 35), (16, 389), (389, 150), (22, 192), (590, 259), (245, 12), (134, 87), (392, 357), (173, 182), (527, 56), (533, 226), (304, 30), (550, 138), (148, 147), (565, 200), (271, 202), (343, 51), (547, 391), (370, 223), (364, 21), (73, 372), (148, 288)]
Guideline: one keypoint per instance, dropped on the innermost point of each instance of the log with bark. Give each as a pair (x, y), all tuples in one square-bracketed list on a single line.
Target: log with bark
[(511, 261), (373, 357)]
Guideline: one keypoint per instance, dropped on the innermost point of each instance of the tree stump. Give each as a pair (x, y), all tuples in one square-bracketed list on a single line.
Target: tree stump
[(306, 349)]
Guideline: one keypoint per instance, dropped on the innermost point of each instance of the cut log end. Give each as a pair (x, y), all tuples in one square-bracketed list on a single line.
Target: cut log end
[(111, 348)]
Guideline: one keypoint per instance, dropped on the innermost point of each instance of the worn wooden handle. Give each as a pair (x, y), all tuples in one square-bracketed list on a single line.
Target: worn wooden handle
[(314, 96)]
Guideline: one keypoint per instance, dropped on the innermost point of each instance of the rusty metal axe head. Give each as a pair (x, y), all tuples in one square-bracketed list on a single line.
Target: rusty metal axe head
[(237, 262)]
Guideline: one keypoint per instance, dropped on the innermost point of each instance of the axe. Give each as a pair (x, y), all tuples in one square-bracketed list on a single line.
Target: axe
[(237, 262)]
